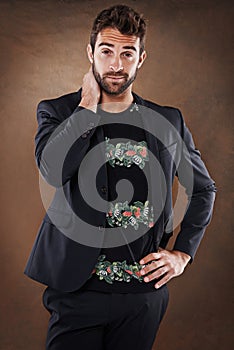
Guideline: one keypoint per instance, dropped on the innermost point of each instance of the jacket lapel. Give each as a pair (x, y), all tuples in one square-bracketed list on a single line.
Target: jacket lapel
[(157, 186)]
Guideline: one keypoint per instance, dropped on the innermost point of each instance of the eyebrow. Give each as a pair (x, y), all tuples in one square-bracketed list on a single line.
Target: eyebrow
[(124, 47)]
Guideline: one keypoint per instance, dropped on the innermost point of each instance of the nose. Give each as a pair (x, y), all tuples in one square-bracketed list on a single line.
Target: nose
[(116, 65)]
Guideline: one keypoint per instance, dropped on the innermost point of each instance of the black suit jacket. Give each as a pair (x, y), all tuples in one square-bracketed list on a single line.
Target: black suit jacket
[(66, 133)]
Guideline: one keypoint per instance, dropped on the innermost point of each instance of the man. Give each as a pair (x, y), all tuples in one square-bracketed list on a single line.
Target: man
[(103, 293)]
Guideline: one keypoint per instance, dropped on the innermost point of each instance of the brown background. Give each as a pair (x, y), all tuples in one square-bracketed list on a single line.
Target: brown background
[(188, 66)]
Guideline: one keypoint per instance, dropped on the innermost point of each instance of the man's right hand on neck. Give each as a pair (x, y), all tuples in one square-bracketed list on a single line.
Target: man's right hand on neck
[(90, 92)]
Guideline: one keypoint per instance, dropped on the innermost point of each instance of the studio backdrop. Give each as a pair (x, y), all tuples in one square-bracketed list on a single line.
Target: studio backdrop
[(43, 55)]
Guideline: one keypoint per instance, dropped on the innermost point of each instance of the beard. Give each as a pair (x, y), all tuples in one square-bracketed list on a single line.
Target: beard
[(113, 88)]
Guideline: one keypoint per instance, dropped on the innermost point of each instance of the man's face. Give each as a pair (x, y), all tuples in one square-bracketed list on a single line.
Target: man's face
[(116, 60)]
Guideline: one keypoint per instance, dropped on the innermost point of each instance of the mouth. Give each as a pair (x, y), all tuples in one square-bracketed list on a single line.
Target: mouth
[(115, 78)]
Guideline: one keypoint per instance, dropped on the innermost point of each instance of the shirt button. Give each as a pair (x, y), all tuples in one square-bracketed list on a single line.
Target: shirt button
[(104, 189)]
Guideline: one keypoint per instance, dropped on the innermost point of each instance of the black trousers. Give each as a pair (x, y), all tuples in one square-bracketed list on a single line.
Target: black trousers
[(93, 320)]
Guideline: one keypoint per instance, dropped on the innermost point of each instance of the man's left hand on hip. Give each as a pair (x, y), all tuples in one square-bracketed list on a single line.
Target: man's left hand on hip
[(165, 264)]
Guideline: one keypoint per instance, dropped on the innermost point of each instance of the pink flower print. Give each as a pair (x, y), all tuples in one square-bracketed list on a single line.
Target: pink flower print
[(129, 271), (108, 269), (127, 213), (151, 224), (130, 153), (137, 212), (110, 213), (138, 273), (143, 152)]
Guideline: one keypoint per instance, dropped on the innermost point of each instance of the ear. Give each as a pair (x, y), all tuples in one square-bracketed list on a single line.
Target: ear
[(142, 59), (90, 53)]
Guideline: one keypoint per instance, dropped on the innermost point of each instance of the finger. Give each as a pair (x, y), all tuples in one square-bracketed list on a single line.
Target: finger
[(150, 257), (156, 274), (153, 265), (163, 281)]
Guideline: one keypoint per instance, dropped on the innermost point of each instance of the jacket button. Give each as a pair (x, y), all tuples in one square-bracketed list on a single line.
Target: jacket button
[(104, 189)]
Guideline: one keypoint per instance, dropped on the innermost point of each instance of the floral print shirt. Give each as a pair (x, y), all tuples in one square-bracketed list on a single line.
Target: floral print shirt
[(126, 158)]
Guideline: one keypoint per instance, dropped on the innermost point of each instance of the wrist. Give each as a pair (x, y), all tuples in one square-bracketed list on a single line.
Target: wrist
[(185, 258), (89, 103)]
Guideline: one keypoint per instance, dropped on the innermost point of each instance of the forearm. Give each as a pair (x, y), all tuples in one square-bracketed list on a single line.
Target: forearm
[(195, 221), (61, 148)]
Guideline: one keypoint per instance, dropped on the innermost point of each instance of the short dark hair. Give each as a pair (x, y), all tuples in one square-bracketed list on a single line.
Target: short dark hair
[(123, 18)]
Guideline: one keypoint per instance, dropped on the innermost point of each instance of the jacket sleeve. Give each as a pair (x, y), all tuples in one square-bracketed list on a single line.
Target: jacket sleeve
[(60, 142), (201, 195)]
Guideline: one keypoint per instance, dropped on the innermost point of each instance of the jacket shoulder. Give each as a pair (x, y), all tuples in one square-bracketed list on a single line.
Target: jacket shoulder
[(63, 105), (171, 113)]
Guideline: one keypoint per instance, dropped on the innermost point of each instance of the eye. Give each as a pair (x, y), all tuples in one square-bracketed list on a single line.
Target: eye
[(128, 54), (106, 51)]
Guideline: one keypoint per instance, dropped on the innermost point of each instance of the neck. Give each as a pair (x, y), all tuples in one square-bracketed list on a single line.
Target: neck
[(118, 103)]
